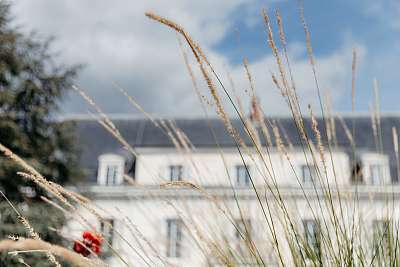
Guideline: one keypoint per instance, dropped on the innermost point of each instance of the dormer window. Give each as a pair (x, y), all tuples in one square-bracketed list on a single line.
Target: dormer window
[(375, 167), (376, 171), (111, 169), (175, 173), (112, 174)]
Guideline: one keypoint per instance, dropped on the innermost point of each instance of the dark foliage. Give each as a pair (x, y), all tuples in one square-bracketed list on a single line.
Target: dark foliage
[(31, 88)]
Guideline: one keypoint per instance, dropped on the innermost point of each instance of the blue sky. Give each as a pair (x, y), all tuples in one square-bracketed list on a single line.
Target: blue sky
[(118, 44), (333, 23)]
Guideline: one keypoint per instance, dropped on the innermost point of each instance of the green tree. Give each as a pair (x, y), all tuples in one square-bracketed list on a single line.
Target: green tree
[(32, 86)]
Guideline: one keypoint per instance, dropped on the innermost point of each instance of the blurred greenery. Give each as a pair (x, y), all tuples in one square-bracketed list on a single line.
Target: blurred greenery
[(32, 86), (42, 219)]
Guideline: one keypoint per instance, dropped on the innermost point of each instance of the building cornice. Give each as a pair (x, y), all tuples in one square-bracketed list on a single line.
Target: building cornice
[(126, 192)]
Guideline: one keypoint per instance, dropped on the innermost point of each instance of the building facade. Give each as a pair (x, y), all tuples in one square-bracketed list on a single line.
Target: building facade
[(191, 194)]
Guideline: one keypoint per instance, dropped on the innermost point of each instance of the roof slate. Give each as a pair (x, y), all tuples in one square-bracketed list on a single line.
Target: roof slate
[(94, 140)]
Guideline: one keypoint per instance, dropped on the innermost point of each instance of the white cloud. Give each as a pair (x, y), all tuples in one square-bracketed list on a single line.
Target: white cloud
[(386, 11), (333, 73), (117, 43)]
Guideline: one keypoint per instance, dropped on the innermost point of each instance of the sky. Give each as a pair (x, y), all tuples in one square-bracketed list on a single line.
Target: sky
[(117, 44)]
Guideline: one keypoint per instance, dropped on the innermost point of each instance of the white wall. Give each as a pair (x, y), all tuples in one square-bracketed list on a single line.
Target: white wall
[(141, 211), (207, 167), (208, 222)]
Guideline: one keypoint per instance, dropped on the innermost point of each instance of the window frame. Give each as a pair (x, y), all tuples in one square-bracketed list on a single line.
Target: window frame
[(385, 235), (243, 229), (108, 162), (312, 239), (107, 232), (243, 169), (311, 170), (174, 238), (372, 174), (175, 167), (111, 179), (243, 232)]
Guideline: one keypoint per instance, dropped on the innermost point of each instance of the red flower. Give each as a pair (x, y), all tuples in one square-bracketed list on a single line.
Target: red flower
[(90, 241), (79, 248)]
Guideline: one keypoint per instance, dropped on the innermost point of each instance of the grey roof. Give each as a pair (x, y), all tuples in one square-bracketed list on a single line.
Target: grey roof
[(94, 140)]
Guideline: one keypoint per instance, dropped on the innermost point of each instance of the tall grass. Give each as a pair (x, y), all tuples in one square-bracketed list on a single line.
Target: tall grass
[(326, 224)]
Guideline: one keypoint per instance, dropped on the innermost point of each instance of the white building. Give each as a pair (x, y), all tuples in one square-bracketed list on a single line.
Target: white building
[(155, 223)]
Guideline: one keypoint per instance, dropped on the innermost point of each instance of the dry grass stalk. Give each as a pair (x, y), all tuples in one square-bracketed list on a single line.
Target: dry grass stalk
[(186, 140), (52, 187), (308, 39), (287, 91), (261, 122), (137, 105), (346, 131), (210, 241), (200, 57), (190, 185), (21, 260), (353, 80), (185, 147), (34, 175), (374, 127), (179, 29), (32, 245), (285, 135), (82, 221), (237, 98), (278, 139), (32, 233), (117, 135), (171, 136), (54, 204), (56, 190), (249, 77), (130, 180), (311, 58), (90, 101), (330, 123), (396, 150), (202, 98), (317, 133), (378, 114), (275, 52), (135, 232), (286, 54), (282, 36), (250, 122)]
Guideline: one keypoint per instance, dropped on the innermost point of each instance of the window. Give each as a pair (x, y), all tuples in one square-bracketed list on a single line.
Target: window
[(111, 175), (111, 169), (243, 229), (312, 238), (242, 175), (107, 231), (375, 167), (376, 174), (243, 236), (308, 174), (381, 237), (174, 238), (175, 173)]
